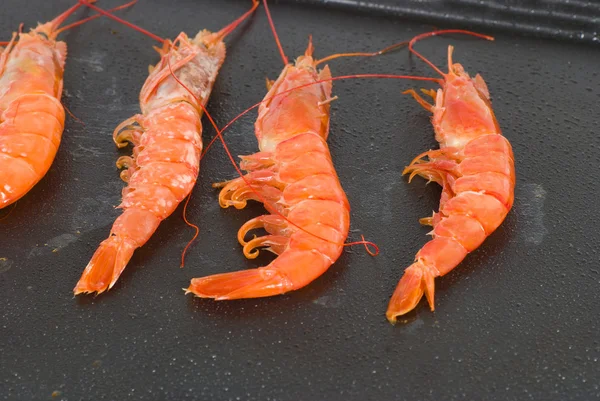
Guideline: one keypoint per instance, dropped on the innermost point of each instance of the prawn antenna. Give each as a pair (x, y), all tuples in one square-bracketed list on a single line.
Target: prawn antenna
[(231, 27), (281, 52), (195, 227), (360, 54), (55, 23), (73, 115), (122, 21), (437, 33), (93, 17), (367, 244)]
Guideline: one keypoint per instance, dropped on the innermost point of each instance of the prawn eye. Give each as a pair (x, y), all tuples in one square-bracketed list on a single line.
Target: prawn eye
[(43, 35)]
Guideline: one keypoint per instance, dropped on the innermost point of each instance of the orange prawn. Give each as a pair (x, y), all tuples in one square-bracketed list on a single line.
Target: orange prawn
[(32, 117), (474, 166), (294, 177), (167, 145)]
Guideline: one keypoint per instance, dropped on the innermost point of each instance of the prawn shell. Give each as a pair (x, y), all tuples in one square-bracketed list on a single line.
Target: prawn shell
[(16, 178), (136, 224), (485, 144), (496, 162), (313, 239), (306, 165), (321, 187), (180, 131), (442, 253), (465, 229), (36, 150), (293, 148), (38, 114), (496, 184), (326, 212), (301, 267), (159, 200), (487, 209), (173, 151), (178, 177)]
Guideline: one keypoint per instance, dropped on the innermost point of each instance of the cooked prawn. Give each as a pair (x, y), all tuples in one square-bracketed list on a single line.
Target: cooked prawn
[(293, 175), (32, 117), (167, 144), (474, 166)]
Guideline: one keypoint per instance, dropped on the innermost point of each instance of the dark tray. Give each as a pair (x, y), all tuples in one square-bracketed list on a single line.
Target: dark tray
[(517, 320)]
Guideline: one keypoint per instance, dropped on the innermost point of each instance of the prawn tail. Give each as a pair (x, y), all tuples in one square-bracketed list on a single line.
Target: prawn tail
[(252, 283), (418, 279), (291, 270), (106, 265)]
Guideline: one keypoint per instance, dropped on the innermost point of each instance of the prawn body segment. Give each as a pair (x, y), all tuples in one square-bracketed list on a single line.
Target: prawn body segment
[(294, 174), (475, 167)]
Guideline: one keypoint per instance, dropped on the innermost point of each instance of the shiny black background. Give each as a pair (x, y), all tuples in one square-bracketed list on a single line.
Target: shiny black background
[(517, 320)]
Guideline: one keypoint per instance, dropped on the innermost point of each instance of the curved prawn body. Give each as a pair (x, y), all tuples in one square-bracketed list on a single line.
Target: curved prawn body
[(167, 144), (474, 166), (294, 174), (31, 115)]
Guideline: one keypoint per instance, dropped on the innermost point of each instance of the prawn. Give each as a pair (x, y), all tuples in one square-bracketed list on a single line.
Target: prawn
[(474, 166), (167, 144), (293, 175), (32, 117)]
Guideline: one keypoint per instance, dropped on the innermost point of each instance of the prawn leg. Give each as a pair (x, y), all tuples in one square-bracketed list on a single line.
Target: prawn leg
[(253, 186), (129, 131), (426, 105)]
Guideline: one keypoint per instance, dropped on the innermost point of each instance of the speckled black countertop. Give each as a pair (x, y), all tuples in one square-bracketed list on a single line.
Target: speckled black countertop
[(518, 320)]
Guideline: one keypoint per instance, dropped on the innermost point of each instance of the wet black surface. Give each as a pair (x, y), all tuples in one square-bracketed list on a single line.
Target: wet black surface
[(517, 320)]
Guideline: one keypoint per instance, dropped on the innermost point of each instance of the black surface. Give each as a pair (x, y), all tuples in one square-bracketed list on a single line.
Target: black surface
[(517, 320)]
